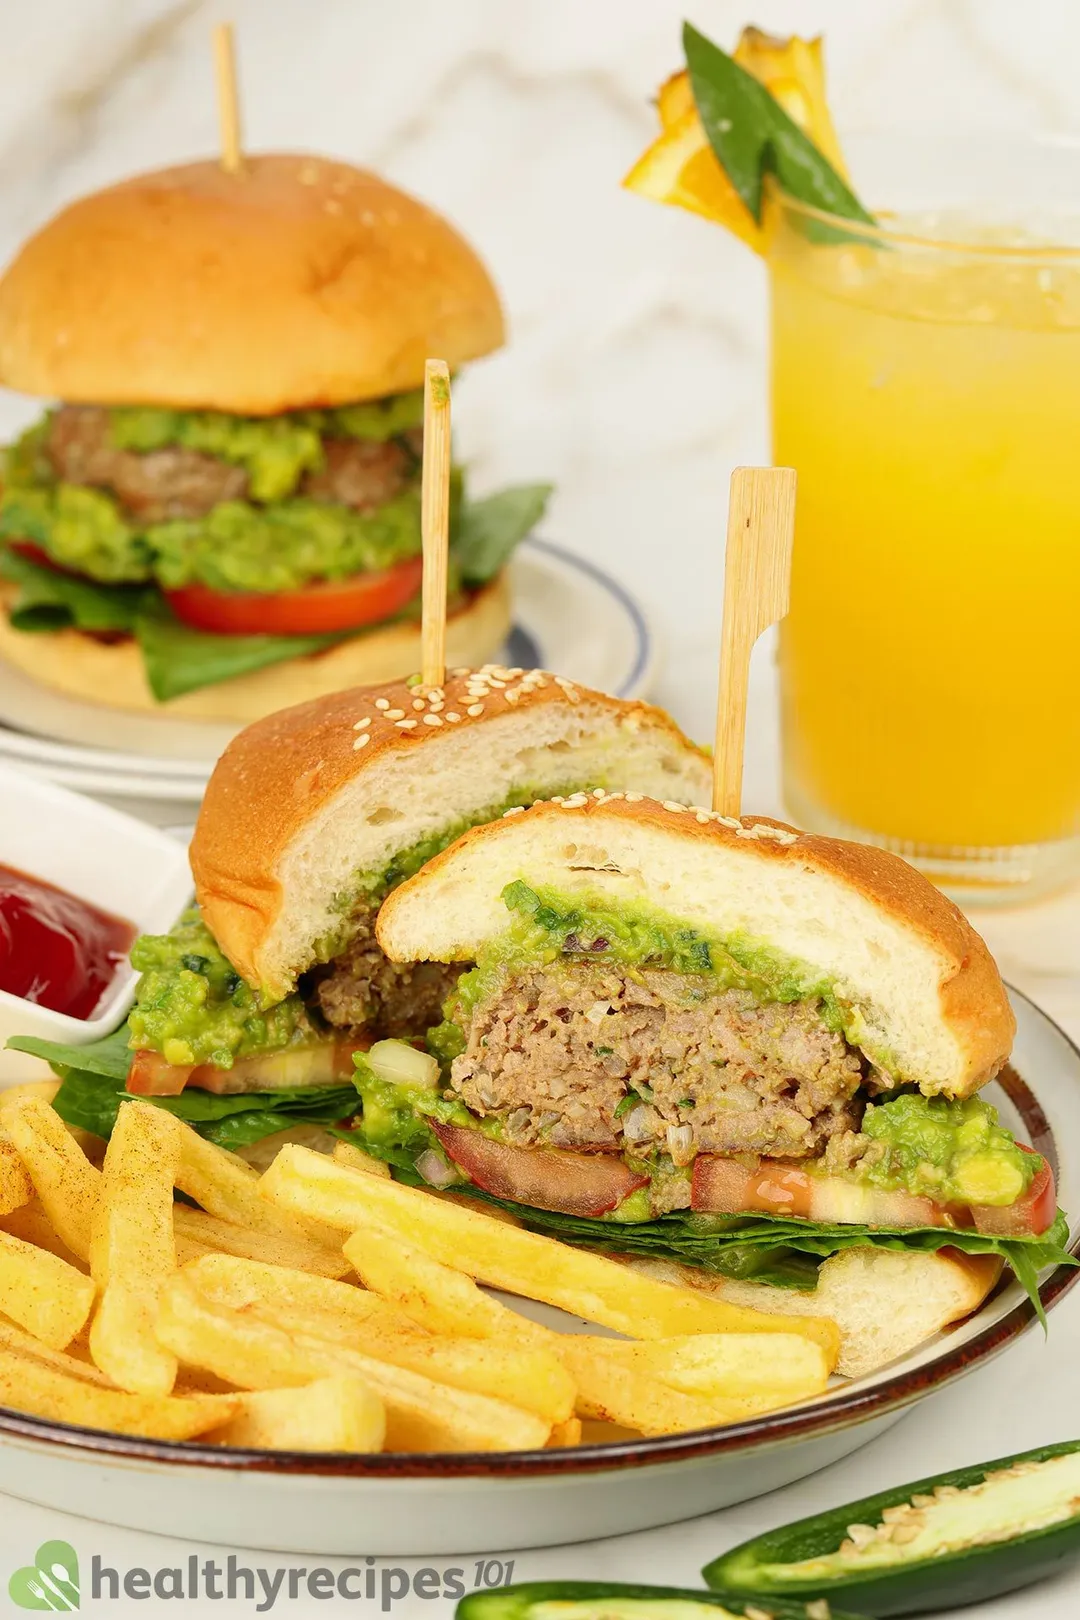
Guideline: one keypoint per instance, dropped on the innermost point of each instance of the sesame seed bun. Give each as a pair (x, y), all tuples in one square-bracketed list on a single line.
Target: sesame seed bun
[(299, 282), (302, 803), (929, 998), (112, 674)]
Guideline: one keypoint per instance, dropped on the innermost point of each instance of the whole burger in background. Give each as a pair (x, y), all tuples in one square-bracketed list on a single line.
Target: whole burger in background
[(222, 513)]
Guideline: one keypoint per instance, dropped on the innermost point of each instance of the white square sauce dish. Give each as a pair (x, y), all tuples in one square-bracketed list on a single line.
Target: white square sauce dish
[(110, 860)]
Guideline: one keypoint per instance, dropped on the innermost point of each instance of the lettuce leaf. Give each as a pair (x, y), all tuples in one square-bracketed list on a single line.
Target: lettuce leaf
[(180, 659), (488, 530), (785, 1252), (93, 1085)]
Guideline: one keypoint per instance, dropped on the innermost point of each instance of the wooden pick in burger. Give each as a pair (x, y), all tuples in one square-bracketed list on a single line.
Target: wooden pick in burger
[(435, 521), (757, 591), (232, 156)]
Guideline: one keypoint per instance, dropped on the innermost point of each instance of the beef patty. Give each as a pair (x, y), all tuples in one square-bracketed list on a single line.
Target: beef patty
[(363, 990), (179, 483), (581, 1057)]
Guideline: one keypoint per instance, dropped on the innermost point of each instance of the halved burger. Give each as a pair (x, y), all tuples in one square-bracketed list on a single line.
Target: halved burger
[(249, 1011), (711, 1041), (219, 513)]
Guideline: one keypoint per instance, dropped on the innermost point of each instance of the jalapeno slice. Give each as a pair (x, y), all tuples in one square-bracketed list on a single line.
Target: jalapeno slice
[(608, 1600), (939, 1543)]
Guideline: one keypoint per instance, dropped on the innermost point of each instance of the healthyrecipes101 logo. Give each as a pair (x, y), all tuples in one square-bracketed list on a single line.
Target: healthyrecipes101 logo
[(50, 1582)]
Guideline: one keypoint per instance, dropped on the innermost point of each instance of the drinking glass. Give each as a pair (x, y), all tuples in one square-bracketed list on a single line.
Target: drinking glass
[(926, 387)]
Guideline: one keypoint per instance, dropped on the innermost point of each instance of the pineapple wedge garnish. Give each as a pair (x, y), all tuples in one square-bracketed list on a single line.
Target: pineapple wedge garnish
[(680, 167)]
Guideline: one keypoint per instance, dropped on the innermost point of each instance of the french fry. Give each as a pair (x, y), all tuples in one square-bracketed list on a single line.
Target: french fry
[(133, 1251), (46, 1296), (199, 1233), (432, 1295), (63, 1177), (581, 1283), (28, 1385), (531, 1377), (332, 1414), (727, 1366), (44, 1091), (227, 1187), (14, 1097), (655, 1386), (420, 1415), (14, 1339), (240, 1284), (16, 1188), (565, 1434), (613, 1393), (31, 1223), (354, 1158)]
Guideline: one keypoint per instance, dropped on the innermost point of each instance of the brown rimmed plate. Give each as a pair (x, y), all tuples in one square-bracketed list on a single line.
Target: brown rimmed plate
[(432, 1504)]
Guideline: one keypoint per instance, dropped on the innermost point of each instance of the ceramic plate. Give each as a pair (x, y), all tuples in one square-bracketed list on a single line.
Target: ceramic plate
[(568, 616), (433, 1504)]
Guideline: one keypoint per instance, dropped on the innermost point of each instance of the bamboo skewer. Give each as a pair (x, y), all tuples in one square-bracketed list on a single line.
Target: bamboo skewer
[(435, 521), (757, 590), (232, 156)]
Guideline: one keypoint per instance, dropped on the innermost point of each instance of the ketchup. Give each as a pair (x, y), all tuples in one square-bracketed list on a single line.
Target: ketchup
[(55, 949)]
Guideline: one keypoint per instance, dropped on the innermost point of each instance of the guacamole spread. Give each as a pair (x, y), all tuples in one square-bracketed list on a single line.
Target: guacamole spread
[(953, 1152), (546, 926), (274, 451), (192, 1006), (276, 539)]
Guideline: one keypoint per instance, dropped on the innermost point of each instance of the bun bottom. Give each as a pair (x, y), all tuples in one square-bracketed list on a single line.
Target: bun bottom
[(111, 674), (885, 1302)]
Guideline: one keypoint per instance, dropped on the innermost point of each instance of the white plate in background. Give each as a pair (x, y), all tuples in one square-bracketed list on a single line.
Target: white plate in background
[(569, 616)]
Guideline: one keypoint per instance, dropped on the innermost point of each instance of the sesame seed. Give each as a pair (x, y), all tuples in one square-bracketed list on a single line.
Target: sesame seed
[(474, 709), (432, 720), (419, 704), (702, 817), (670, 804), (452, 717), (406, 725), (514, 810), (598, 793), (382, 703), (634, 798), (395, 714), (362, 725), (362, 740)]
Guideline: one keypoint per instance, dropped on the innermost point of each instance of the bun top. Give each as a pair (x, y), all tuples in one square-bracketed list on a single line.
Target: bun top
[(299, 282), (927, 1003), (305, 807)]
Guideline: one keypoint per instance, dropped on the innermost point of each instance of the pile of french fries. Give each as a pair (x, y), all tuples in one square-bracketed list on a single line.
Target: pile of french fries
[(324, 1307)]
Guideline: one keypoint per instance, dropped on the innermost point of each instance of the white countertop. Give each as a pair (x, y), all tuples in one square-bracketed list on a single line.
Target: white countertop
[(635, 380)]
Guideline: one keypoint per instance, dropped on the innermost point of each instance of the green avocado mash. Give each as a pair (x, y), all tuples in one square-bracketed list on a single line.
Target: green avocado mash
[(82, 529), (954, 1152), (546, 925), (274, 451), (275, 540), (240, 547), (192, 1006)]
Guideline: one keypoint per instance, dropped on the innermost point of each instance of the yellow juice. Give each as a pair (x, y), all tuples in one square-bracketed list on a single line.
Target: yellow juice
[(930, 402)]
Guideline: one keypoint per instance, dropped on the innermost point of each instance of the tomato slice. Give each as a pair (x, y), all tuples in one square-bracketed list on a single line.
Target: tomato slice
[(319, 1065), (1032, 1213), (36, 554), (722, 1186), (319, 609), (545, 1178)]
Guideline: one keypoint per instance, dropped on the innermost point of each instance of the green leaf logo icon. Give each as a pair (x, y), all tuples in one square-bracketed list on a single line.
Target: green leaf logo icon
[(51, 1582)]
